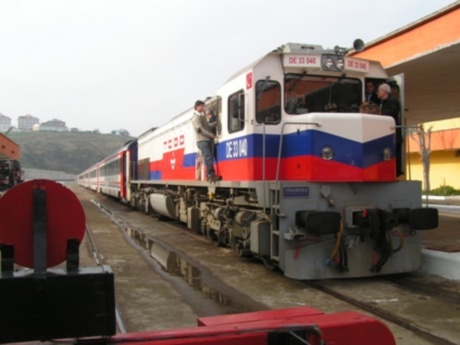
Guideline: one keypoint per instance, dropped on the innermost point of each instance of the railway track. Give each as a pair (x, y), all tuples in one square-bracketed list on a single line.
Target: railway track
[(433, 336), (98, 258), (220, 298), (431, 290)]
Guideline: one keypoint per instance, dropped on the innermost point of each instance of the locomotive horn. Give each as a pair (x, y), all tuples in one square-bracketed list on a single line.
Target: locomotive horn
[(358, 45)]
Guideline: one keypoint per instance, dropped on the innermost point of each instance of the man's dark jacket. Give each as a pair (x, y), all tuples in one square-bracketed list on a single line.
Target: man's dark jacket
[(391, 107)]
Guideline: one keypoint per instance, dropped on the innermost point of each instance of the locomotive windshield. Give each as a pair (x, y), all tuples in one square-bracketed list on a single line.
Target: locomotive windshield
[(268, 102), (307, 94)]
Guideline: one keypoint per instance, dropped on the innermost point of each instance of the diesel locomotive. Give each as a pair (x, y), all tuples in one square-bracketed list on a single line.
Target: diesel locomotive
[(309, 180)]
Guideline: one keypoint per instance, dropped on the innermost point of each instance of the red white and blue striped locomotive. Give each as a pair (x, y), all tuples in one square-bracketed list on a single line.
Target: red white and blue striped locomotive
[(309, 182)]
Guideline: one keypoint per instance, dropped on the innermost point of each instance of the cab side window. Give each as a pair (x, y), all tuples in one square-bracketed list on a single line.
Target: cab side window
[(236, 112), (268, 102)]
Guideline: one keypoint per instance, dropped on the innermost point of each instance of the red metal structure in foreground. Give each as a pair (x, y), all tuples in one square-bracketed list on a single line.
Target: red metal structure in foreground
[(302, 325), (43, 224)]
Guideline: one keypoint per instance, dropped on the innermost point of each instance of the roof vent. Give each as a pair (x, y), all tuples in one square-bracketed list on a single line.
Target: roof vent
[(299, 47)]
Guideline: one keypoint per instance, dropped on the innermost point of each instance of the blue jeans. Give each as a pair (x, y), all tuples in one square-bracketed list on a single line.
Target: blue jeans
[(206, 151)]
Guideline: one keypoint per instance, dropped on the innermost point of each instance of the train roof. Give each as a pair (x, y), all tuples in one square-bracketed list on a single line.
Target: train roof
[(189, 110), (283, 49), (147, 132), (164, 124), (127, 145), (299, 48)]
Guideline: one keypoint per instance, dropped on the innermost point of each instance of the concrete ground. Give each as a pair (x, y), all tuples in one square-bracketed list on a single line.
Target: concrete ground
[(441, 253), (152, 297)]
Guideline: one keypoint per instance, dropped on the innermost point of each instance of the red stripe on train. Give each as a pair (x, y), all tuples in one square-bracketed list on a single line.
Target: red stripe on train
[(306, 168)]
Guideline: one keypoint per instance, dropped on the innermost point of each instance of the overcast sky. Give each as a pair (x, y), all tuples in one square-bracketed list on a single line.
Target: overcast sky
[(134, 64)]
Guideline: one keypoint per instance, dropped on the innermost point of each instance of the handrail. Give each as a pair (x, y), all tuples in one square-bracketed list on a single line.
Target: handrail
[(278, 163), (264, 162)]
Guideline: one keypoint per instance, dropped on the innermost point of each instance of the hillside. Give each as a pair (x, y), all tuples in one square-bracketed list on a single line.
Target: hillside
[(71, 152)]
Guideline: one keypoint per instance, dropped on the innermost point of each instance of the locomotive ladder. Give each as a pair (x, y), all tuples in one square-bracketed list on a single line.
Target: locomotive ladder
[(272, 203), (274, 224)]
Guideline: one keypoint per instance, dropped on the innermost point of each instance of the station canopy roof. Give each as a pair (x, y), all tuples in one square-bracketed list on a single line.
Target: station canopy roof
[(427, 52), (432, 85)]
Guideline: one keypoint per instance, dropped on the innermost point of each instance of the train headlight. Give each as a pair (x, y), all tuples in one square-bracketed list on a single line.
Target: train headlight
[(330, 62), (327, 153), (340, 64), (387, 153)]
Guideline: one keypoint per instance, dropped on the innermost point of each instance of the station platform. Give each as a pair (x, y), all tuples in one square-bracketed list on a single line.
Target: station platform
[(441, 247)]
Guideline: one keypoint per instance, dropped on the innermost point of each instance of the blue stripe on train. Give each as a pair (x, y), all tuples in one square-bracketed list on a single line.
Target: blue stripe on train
[(303, 143), (189, 160), (155, 175)]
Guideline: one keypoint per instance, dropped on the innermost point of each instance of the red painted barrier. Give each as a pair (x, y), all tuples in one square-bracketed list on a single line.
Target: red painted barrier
[(284, 326)]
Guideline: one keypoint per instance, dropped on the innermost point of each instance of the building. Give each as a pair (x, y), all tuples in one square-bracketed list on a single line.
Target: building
[(8, 148), (5, 123), (54, 125), (27, 122), (444, 144), (427, 52)]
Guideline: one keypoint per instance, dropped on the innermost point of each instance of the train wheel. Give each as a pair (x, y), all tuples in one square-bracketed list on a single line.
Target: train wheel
[(218, 238), (241, 251), (269, 264), (214, 238)]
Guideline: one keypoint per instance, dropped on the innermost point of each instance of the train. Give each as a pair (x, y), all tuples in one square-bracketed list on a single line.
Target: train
[(10, 174), (309, 180)]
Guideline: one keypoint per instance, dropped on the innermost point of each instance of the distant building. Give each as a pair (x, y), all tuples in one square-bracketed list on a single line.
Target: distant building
[(27, 122), (5, 123), (54, 125), (120, 132)]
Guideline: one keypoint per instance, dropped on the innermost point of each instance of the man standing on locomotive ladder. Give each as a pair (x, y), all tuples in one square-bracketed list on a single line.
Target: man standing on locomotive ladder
[(205, 140)]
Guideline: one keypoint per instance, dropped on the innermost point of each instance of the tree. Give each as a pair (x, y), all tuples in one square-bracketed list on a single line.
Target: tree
[(424, 142)]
